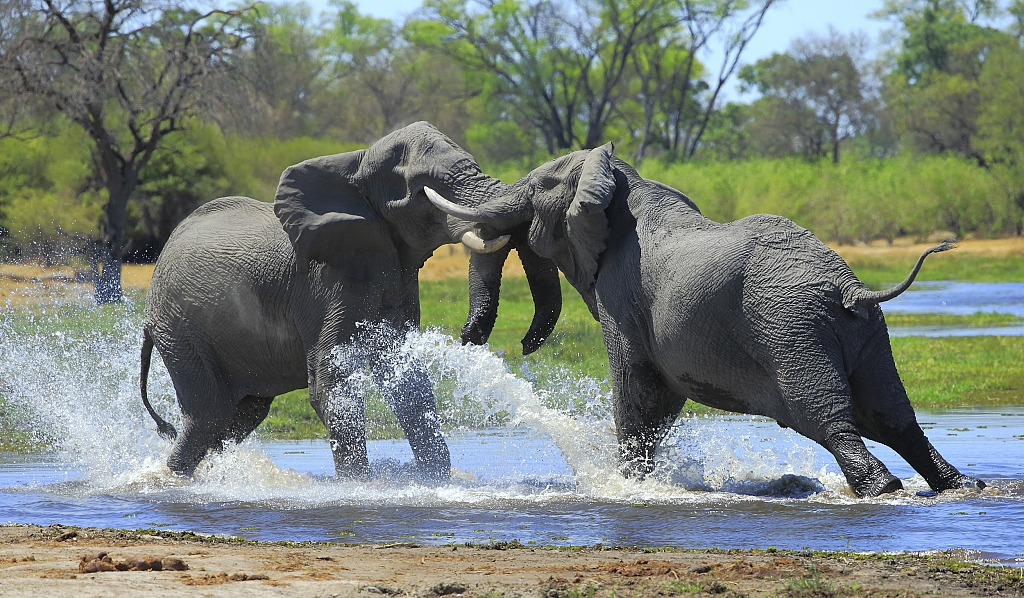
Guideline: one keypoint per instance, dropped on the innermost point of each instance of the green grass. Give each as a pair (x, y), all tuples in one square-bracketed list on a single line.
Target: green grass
[(978, 320), (954, 372)]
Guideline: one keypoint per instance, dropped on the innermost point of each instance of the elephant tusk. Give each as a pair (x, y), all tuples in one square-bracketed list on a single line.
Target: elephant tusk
[(452, 209), (477, 245)]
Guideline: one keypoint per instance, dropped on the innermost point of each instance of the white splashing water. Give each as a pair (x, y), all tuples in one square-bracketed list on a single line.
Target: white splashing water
[(79, 391)]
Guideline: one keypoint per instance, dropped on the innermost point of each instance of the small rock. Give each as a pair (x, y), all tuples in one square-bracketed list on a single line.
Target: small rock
[(95, 566), (173, 564), (445, 589), (699, 569)]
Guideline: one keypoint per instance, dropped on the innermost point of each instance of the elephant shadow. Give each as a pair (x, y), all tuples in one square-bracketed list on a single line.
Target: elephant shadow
[(694, 470)]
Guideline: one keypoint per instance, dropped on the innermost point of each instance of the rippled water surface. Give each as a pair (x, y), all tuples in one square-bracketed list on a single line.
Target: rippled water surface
[(960, 299), (537, 473)]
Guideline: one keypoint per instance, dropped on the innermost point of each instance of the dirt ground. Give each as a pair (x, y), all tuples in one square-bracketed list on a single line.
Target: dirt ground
[(65, 561)]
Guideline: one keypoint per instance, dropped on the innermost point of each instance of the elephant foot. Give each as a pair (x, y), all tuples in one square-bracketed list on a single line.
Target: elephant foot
[(886, 484), (960, 482), (434, 476)]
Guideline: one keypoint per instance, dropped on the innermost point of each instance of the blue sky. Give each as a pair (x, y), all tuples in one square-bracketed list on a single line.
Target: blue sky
[(788, 20)]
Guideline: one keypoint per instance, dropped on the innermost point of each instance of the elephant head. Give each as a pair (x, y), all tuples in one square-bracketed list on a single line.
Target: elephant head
[(556, 216), (366, 212)]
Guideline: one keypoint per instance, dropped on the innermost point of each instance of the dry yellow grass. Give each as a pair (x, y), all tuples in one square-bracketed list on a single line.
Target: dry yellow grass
[(22, 284), (907, 248), (452, 261), (31, 284)]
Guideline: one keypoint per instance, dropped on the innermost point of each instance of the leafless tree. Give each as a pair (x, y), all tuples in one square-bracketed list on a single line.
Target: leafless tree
[(129, 72), (735, 22)]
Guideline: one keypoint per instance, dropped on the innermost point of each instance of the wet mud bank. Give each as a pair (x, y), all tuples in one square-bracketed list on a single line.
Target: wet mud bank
[(56, 560)]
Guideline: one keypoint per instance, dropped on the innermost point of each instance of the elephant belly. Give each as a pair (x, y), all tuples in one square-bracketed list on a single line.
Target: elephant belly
[(698, 334), (731, 384)]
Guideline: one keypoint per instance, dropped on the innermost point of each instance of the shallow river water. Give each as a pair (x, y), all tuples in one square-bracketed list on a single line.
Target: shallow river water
[(524, 469)]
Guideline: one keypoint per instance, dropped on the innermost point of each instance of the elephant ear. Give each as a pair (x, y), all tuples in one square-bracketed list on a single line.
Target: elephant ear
[(328, 218), (586, 224)]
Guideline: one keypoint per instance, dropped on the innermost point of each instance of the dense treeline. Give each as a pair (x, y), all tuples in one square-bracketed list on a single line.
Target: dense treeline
[(929, 136)]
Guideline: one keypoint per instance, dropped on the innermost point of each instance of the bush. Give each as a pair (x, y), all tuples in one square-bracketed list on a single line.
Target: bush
[(853, 201)]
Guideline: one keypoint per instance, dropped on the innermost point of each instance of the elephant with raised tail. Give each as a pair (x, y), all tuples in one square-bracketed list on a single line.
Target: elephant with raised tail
[(250, 300), (754, 316)]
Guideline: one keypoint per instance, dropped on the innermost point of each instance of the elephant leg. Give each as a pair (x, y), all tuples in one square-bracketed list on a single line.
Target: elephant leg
[(339, 404), (202, 435), (249, 414), (198, 437), (404, 384), (819, 405), (205, 409), (644, 408), (884, 414)]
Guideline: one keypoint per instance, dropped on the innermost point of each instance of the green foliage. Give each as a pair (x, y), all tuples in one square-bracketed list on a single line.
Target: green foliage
[(45, 198), (933, 91), (813, 97), (50, 207), (254, 165), (189, 169), (853, 201)]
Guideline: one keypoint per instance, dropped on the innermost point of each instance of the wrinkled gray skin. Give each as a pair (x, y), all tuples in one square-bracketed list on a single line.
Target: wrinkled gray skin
[(249, 299), (754, 316)]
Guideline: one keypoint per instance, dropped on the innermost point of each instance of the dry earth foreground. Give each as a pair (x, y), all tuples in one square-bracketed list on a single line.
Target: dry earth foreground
[(66, 561)]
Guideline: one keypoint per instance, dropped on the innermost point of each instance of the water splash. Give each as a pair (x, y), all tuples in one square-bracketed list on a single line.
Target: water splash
[(70, 377)]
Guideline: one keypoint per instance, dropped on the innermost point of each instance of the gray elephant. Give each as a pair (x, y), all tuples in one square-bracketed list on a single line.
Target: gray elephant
[(249, 300), (754, 316)]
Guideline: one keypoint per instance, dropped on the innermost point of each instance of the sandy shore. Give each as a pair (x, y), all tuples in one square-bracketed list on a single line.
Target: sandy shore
[(49, 560)]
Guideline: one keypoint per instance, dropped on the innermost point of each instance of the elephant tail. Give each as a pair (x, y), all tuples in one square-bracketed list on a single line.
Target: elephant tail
[(867, 298), (164, 429)]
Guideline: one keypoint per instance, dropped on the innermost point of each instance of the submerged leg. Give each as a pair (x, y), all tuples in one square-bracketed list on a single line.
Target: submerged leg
[(198, 437), (884, 414), (249, 414), (404, 384), (643, 407), (819, 402)]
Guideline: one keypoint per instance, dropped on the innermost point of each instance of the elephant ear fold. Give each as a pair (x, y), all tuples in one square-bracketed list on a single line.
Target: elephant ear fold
[(328, 218), (585, 221)]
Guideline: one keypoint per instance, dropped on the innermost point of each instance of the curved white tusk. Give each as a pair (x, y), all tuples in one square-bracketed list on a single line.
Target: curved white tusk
[(452, 209), (477, 245)]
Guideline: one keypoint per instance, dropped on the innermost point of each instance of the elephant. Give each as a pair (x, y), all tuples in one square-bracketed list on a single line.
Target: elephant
[(755, 316), (249, 300)]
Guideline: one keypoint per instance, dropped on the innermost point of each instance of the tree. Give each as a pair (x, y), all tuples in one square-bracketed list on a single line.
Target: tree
[(561, 66), (933, 87), (813, 91), (127, 72), (735, 22), (379, 81), (280, 75)]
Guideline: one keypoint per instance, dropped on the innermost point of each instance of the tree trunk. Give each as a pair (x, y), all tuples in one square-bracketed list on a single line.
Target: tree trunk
[(110, 250)]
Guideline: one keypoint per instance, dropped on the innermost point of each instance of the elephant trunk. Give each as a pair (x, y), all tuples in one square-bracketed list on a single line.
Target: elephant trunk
[(503, 212), (485, 285), (868, 298)]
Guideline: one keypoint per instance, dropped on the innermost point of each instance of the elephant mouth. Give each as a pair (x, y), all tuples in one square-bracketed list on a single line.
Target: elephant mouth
[(467, 231)]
